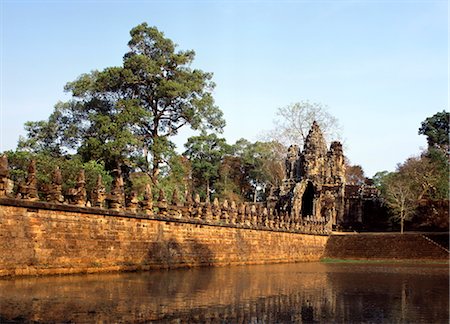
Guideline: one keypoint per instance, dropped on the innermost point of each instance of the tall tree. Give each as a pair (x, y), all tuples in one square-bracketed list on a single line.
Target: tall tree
[(400, 197), (421, 182), (436, 128), (294, 122), (417, 180), (128, 114), (428, 178), (205, 153), (232, 183), (248, 170), (262, 167), (354, 174)]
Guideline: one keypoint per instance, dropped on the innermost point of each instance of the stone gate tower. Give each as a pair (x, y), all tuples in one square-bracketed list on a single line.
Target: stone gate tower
[(314, 183)]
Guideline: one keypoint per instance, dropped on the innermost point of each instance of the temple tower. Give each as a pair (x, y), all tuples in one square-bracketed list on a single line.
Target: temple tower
[(315, 180)]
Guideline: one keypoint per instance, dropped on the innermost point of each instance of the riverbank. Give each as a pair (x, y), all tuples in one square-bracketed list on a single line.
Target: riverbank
[(384, 261)]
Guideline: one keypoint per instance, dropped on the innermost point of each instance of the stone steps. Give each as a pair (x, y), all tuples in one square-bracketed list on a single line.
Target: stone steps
[(436, 243), (384, 246)]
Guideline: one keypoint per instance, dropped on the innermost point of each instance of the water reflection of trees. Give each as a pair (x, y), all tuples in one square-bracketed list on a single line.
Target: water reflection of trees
[(390, 294), (302, 293)]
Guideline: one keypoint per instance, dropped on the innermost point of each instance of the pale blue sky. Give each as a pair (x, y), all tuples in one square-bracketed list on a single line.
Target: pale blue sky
[(380, 66)]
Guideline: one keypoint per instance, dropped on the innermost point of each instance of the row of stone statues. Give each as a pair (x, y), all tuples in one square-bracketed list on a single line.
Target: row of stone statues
[(222, 213)]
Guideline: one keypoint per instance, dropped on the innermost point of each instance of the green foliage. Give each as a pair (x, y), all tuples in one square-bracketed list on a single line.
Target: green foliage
[(400, 196), (260, 164), (176, 175), (418, 179), (127, 114), (205, 153), (436, 129), (379, 179), (232, 183), (354, 175), (248, 170), (139, 181), (237, 172), (428, 177), (45, 165), (439, 163), (421, 182)]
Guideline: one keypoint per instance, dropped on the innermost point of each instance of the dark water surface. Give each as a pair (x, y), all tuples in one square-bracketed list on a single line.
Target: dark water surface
[(290, 293)]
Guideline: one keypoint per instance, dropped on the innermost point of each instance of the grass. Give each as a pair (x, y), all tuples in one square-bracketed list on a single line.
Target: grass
[(378, 261)]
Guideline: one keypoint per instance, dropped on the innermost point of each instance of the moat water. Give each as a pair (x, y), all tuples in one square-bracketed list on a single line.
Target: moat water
[(289, 293)]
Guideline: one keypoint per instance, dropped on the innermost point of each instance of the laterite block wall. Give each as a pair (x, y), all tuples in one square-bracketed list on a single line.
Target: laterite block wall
[(41, 238)]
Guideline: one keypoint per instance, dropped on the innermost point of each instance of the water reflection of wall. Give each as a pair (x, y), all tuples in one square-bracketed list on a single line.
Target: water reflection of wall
[(277, 293)]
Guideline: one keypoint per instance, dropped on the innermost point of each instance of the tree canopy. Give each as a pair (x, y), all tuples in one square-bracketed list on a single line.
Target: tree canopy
[(421, 181), (242, 171), (295, 120), (354, 174), (436, 128), (127, 114), (205, 153), (46, 164)]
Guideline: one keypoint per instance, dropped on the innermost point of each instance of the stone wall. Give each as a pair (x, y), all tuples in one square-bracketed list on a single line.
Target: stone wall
[(192, 209), (49, 238)]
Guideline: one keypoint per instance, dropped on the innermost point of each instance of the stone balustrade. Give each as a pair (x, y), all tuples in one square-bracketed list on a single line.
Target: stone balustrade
[(217, 213)]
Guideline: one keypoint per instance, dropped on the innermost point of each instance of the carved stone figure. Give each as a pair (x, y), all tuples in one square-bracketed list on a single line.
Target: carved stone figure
[(248, 215), (78, 195), (188, 200), (132, 204), (241, 214), (55, 193), (116, 197), (291, 162), (206, 211), (28, 189), (328, 206), (216, 211), (197, 211), (265, 217), (233, 213), (147, 202), (4, 173), (175, 198), (253, 215), (98, 194), (162, 202), (224, 216)]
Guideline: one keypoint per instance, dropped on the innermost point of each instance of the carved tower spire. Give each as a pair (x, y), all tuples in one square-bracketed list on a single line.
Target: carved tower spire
[(314, 152)]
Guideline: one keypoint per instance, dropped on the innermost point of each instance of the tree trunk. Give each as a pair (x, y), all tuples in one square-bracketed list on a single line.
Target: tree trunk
[(155, 173), (402, 218), (156, 158), (207, 190)]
